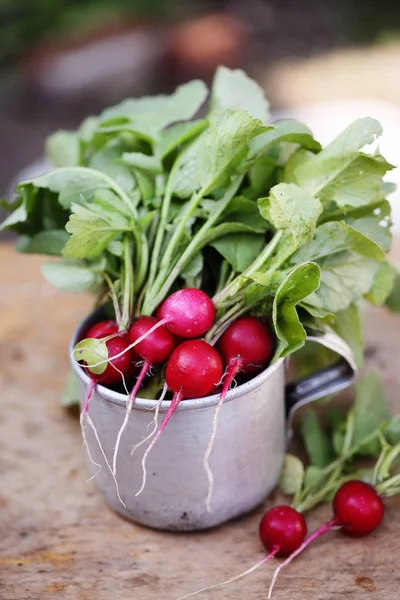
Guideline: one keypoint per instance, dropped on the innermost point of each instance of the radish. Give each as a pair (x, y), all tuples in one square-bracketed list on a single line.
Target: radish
[(194, 369), (357, 510), (154, 349), (187, 313), (282, 530), (102, 329), (245, 347), (118, 362)]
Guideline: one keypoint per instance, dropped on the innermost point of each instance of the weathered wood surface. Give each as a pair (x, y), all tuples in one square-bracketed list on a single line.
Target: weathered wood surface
[(58, 539)]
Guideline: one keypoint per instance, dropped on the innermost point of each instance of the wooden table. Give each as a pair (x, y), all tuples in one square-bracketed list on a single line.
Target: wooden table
[(58, 539)]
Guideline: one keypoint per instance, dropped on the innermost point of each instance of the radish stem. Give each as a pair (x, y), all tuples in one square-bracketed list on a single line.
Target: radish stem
[(320, 531), (131, 400)]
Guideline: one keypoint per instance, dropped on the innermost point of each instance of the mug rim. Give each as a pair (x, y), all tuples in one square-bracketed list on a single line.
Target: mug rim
[(146, 404)]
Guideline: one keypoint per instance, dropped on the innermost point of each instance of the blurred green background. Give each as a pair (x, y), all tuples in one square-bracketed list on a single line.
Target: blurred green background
[(61, 60)]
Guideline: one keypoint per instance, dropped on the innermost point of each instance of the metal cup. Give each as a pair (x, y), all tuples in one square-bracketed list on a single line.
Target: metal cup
[(253, 427)]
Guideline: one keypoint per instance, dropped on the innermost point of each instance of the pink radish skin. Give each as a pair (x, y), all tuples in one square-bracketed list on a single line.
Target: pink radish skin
[(187, 313), (357, 511), (154, 349), (245, 347), (193, 371), (282, 530)]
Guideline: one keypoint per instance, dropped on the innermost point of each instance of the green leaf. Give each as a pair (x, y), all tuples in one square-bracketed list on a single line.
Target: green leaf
[(72, 276), (244, 211), (383, 284), (142, 161), (316, 442), (93, 228), (336, 237), (92, 351), (261, 177), (297, 158), (313, 478), (292, 475), (297, 285), (73, 184), (208, 162), (393, 300), (348, 325), (46, 242), (376, 225), (289, 208), (194, 267), (70, 394), (340, 173), (176, 135), (285, 130), (62, 149), (370, 410), (239, 249), (392, 431), (233, 89), (108, 161), (149, 114), (345, 278)]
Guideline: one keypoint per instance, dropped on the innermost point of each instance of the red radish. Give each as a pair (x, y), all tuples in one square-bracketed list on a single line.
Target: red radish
[(102, 329), (118, 362), (282, 530), (154, 349), (245, 347), (193, 371), (188, 313), (357, 510)]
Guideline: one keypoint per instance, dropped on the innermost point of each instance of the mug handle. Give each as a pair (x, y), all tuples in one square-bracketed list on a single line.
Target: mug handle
[(329, 380)]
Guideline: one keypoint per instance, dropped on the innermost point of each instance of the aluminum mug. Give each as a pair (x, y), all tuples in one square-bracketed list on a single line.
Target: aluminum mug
[(248, 453)]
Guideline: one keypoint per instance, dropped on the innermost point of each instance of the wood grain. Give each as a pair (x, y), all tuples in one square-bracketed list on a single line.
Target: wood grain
[(58, 539)]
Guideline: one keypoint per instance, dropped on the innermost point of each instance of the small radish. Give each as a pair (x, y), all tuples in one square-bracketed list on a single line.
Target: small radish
[(102, 329), (118, 362), (282, 530), (357, 510), (194, 369), (188, 313), (154, 349), (245, 347)]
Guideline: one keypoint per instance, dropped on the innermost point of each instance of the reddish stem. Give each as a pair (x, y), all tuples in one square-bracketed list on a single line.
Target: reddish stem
[(89, 394), (171, 409), (132, 397), (320, 531)]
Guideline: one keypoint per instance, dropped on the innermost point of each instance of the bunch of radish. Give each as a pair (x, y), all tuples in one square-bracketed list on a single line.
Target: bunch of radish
[(357, 511), (193, 367)]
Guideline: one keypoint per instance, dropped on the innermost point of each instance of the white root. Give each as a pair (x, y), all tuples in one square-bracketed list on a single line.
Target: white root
[(232, 579), (154, 421), (131, 400)]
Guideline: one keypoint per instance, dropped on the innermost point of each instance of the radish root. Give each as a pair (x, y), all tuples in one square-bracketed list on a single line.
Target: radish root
[(320, 531), (172, 407), (154, 421), (230, 373), (131, 400), (232, 579)]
